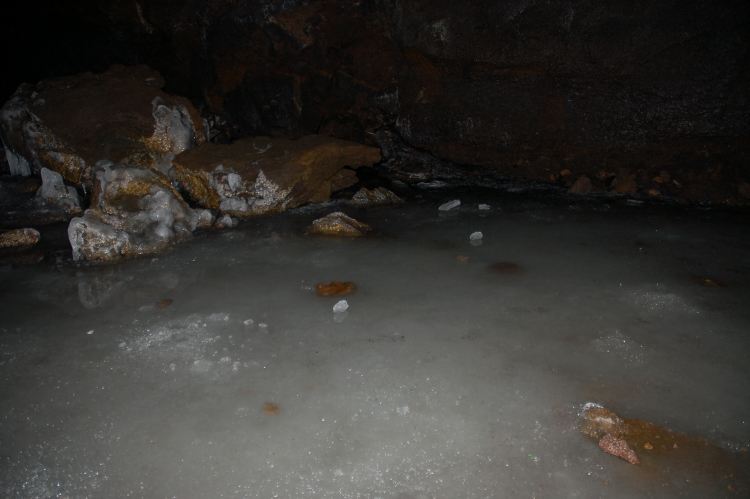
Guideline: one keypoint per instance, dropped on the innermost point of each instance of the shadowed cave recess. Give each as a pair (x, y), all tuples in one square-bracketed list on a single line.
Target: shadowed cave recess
[(375, 249)]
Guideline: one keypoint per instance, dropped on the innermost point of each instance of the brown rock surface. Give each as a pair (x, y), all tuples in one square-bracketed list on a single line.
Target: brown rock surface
[(582, 185), (335, 288), (261, 175), (339, 224), (19, 238), (69, 124)]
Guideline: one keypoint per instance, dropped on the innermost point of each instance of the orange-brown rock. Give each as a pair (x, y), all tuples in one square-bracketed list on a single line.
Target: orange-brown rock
[(661, 447), (339, 224), (69, 124), (624, 183), (335, 288), (262, 175)]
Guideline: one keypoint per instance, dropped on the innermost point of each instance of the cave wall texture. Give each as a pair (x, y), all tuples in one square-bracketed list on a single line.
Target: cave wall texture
[(521, 87)]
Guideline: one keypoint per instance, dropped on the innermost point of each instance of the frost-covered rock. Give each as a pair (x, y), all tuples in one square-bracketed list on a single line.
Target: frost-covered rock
[(375, 197), (133, 212), (19, 238), (260, 175), (54, 193), (339, 224), (69, 124)]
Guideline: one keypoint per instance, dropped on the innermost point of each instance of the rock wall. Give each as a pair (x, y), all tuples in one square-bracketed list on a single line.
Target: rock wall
[(521, 88)]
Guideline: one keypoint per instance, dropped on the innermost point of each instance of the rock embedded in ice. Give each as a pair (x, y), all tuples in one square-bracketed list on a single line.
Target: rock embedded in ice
[(335, 288), (618, 447), (339, 224), (133, 212), (340, 307), (374, 197), (450, 205), (19, 238), (476, 236)]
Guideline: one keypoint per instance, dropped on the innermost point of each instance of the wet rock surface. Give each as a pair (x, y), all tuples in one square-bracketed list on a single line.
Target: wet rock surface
[(261, 175), (69, 124), (133, 212)]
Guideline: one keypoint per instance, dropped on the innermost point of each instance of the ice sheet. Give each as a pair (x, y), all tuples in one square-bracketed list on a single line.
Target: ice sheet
[(214, 370)]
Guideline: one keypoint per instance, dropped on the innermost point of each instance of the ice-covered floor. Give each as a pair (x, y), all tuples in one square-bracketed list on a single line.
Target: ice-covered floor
[(443, 379)]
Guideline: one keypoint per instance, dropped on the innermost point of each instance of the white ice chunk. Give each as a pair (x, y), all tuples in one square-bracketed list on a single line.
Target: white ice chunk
[(340, 307), (476, 236), (450, 205), (403, 411), (484, 207)]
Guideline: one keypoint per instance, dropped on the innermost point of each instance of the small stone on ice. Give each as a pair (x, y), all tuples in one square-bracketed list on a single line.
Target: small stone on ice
[(449, 205), (91, 332), (340, 307), (475, 236)]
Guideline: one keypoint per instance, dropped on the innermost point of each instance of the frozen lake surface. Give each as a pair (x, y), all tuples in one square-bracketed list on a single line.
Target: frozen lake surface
[(446, 377)]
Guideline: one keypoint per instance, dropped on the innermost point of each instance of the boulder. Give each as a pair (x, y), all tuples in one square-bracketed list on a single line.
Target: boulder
[(134, 212), (339, 224), (260, 175), (69, 124)]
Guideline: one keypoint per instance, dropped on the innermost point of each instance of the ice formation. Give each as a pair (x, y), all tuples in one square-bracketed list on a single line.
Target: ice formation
[(54, 192), (450, 205)]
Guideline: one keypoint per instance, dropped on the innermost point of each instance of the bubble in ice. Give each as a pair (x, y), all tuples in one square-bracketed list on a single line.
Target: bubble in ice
[(476, 236), (450, 205), (340, 307), (248, 322)]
